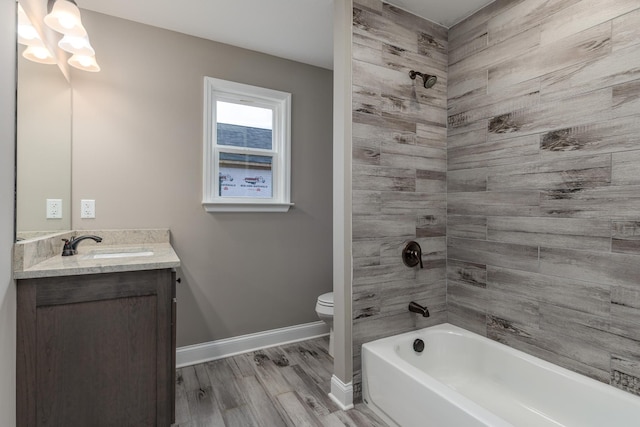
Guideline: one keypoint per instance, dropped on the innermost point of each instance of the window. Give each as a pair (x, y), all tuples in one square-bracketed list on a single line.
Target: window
[(246, 148)]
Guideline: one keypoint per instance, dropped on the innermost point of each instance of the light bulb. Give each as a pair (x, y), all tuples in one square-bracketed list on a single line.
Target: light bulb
[(27, 33), (41, 53), (77, 42), (66, 20)]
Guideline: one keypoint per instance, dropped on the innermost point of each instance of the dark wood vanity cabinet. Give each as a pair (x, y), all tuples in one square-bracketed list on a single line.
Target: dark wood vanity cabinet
[(97, 350)]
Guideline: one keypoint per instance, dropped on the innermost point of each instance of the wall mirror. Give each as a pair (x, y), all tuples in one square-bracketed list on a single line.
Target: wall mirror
[(43, 147)]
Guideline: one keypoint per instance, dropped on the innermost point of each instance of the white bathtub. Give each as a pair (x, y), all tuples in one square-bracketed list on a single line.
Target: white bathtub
[(462, 379)]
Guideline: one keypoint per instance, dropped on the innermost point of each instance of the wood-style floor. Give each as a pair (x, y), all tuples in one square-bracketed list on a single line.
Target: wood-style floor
[(274, 387)]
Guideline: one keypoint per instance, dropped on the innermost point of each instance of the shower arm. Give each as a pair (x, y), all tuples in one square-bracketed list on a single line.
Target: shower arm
[(413, 74)]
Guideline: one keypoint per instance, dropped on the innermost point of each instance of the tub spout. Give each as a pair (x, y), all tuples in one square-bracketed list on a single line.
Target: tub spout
[(414, 307)]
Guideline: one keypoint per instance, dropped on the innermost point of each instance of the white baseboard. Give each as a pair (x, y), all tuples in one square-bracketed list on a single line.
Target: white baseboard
[(200, 353), (341, 393)]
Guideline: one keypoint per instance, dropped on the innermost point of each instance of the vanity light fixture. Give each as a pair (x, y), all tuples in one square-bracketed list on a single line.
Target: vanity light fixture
[(64, 17), (27, 35)]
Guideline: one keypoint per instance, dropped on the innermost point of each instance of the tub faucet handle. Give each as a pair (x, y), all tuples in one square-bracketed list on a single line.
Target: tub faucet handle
[(412, 254)]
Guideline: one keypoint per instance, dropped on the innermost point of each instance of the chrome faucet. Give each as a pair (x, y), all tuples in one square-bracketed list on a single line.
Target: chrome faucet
[(414, 307), (71, 245)]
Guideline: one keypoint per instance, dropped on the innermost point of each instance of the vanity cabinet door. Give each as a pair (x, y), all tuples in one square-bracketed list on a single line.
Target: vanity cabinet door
[(96, 350)]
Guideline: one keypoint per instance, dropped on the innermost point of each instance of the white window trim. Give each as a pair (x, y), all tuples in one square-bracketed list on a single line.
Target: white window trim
[(280, 201)]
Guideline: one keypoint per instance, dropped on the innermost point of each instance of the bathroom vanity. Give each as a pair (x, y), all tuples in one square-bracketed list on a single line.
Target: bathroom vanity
[(96, 337)]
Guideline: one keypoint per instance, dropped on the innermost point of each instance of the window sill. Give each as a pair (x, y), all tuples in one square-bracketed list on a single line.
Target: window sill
[(245, 207)]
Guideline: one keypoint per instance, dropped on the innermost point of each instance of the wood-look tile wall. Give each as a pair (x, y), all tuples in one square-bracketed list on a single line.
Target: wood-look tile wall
[(543, 169), (399, 171)]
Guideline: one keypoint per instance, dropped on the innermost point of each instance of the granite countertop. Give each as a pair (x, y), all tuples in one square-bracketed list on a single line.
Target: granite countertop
[(143, 254)]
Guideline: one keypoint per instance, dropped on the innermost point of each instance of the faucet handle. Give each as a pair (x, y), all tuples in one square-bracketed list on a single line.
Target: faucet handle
[(412, 254), (67, 250)]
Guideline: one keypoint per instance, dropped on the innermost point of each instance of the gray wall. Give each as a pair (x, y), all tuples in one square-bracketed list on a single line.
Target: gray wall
[(7, 286), (399, 165), (543, 187), (137, 150)]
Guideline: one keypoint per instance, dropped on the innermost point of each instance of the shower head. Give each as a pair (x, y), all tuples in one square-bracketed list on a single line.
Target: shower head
[(427, 79)]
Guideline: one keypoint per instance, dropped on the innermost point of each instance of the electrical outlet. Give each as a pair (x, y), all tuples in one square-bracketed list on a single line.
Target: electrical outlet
[(87, 208), (54, 208)]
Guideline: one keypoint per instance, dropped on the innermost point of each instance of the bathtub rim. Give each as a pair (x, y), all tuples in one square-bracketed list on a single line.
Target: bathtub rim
[(385, 348)]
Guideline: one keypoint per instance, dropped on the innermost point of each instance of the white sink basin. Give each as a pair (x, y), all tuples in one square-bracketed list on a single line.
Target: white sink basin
[(119, 254)]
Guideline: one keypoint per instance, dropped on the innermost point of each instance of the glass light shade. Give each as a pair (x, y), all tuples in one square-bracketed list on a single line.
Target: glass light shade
[(39, 54), (27, 34), (84, 62), (76, 45), (65, 19)]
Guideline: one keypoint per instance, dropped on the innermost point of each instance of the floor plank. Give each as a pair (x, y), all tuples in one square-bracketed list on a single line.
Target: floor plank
[(203, 406), (261, 403), (224, 385), (240, 417), (284, 386), (298, 413), (182, 404)]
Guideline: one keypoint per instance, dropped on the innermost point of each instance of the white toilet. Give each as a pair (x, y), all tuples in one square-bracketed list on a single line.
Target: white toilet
[(324, 308)]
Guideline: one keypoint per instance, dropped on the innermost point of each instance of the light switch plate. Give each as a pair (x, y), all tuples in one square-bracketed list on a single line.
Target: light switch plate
[(54, 208), (87, 208)]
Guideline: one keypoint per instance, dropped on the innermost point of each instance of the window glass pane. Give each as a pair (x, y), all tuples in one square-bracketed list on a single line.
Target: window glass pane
[(241, 125), (243, 175)]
